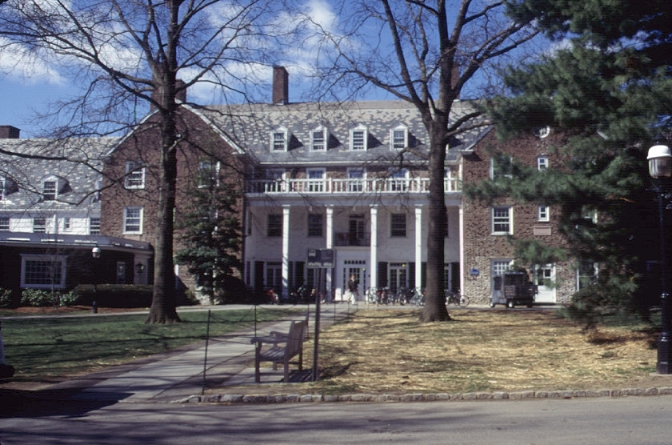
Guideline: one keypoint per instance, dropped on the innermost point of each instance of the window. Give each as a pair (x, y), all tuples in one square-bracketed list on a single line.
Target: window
[(94, 225), (398, 225), (135, 175), (207, 174), (501, 167), (4, 223), (356, 179), (502, 220), (3, 188), (39, 225), (66, 224), (274, 227), (315, 226), (399, 138), (399, 180), (542, 163), (318, 139), (279, 139), (315, 179), (543, 214), (358, 138), (50, 190), (586, 274), (43, 271), (133, 220)]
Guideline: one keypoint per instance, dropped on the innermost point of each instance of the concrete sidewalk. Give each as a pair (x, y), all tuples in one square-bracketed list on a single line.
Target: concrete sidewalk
[(180, 374)]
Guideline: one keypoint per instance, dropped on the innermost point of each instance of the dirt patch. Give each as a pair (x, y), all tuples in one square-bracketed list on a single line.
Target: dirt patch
[(389, 351)]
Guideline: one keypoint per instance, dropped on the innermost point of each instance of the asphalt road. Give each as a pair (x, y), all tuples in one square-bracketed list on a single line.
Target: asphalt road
[(608, 421)]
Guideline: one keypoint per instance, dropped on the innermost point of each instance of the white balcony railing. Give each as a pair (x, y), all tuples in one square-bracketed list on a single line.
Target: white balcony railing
[(347, 186)]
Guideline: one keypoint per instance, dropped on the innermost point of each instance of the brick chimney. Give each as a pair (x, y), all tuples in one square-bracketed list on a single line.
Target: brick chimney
[(180, 95), (280, 85), (9, 132)]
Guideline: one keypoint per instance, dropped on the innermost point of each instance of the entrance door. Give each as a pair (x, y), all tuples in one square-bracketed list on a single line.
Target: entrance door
[(398, 276), (544, 278), (347, 267)]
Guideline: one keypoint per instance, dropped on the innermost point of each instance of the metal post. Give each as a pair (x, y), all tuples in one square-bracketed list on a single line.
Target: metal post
[(317, 328), (663, 365)]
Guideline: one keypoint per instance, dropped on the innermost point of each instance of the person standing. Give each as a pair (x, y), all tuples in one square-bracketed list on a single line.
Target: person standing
[(353, 288)]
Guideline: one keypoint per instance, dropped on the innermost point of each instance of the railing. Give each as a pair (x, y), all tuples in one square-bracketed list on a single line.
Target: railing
[(352, 239), (348, 186)]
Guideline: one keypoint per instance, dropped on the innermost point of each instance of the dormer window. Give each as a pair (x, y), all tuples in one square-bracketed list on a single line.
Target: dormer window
[(280, 139), (135, 175), (7, 187), (52, 187), (318, 139), (399, 138), (359, 138)]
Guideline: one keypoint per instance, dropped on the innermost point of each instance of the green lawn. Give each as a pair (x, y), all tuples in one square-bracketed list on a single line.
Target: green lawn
[(48, 349)]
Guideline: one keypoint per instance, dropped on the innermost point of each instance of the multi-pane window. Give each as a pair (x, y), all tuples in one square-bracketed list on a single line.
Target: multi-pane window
[(358, 138), (94, 225), (399, 180), (315, 224), (49, 190), (542, 163), (543, 214), (43, 271), (399, 138), (500, 266), (356, 179), (501, 167), (67, 224), (274, 226), (133, 220), (318, 139), (4, 223), (315, 179), (586, 274), (135, 175), (207, 173), (501, 220), (279, 140), (39, 225), (398, 224)]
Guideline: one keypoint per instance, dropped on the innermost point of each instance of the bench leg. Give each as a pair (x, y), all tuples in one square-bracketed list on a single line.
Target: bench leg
[(286, 379)]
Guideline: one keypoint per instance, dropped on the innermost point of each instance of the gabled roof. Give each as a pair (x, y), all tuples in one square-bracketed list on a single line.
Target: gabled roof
[(75, 161), (250, 127)]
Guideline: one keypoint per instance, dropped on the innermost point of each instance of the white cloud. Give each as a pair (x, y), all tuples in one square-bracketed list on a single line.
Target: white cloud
[(20, 65)]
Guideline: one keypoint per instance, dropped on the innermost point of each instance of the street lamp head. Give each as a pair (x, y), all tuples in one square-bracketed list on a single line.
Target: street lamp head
[(660, 161), (95, 252)]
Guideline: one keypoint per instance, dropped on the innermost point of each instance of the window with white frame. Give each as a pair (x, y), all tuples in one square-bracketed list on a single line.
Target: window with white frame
[(315, 179), (279, 139), (319, 138), (274, 225), (398, 225), (543, 214), (43, 271), (399, 180), (586, 274), (356, 178), (50, 190), (359, 138), (399, 138), (502, 220), (39, 225), (501, 166), (207, 173), (498, 267), (4, 223), (94, 225), (135, 175), (133, 220), (315, 225), (542, 163), (67, 224)]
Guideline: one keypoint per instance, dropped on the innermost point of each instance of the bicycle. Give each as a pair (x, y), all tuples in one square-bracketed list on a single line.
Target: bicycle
[(454, 297), (418, 298)]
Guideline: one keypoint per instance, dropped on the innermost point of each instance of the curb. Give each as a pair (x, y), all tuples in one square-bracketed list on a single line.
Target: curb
[(422, 397)]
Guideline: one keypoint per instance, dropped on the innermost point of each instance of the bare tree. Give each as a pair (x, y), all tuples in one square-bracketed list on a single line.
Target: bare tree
[(408, 49), (126, 53)]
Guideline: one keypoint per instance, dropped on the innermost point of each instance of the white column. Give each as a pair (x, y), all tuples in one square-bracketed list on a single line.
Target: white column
[(374, 248), (418, 246), (330, 245), (462, 265), (285, 251)]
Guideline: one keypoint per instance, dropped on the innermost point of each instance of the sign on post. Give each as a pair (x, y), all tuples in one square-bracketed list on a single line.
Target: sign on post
[(320, 258)]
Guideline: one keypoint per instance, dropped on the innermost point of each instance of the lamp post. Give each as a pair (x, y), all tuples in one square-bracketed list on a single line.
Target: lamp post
[(660, 166), (95, 253)]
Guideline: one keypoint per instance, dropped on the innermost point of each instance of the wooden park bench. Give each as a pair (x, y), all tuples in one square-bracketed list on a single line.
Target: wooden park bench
[(293, 346)]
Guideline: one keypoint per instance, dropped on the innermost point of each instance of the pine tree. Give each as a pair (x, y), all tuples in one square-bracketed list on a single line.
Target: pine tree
[(608, 88)]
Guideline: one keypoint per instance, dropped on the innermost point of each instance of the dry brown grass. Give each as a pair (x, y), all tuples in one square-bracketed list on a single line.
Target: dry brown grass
[(389, 351)]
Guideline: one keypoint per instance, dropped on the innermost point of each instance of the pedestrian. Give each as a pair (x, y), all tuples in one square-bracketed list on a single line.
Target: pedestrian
[(353, 288)]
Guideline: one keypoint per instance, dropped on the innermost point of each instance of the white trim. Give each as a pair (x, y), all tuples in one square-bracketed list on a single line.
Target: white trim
[(403, 128), (140, 223), (285, 139), (543, 213), (325, 138), (365, 138), (510, 220)]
